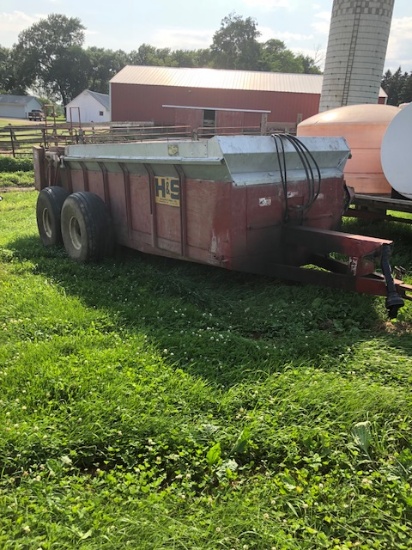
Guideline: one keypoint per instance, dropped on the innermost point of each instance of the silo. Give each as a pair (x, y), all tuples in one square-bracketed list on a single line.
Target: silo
[(355, 57)]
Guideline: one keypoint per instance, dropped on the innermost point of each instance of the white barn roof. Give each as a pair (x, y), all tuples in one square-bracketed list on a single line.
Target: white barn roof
[(219, 78), (103, 99), (9, 99)]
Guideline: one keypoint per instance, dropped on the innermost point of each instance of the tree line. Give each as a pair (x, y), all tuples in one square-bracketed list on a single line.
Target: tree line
[(49, 57), (398, 86)]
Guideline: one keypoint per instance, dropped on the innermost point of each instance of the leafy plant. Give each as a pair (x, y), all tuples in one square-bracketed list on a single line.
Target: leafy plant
[(10, 164)]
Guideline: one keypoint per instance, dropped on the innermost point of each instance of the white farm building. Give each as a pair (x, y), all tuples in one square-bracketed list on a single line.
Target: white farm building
[(17, 106), (89, 106)]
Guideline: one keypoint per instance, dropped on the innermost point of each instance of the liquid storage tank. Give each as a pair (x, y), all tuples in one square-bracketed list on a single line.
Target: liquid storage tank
[(396, 152), (363, 127)]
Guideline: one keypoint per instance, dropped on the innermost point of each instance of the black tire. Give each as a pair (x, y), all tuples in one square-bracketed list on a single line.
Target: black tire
[(48, 213), (86, 227)]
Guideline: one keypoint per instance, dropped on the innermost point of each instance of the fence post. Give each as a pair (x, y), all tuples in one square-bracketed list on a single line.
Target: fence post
[(12, 141)]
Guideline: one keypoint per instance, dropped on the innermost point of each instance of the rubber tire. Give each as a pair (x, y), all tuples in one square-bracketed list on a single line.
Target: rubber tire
[(48, 214), (86, 227)]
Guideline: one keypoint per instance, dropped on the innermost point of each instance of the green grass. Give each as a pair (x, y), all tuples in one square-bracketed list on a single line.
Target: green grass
[(149, 404), (4, 121), (17, 179)]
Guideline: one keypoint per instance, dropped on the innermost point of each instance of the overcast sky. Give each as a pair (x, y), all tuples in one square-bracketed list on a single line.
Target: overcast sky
[(190, 24)]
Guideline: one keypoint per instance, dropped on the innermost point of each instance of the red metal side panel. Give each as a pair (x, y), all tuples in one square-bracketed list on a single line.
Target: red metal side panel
[(117, 196), (77, 180), (213, 222), (265, 209), (327, 210), (140, 203), (189, 117), (207, 203), (133, 102), (96, 183), (253, 120), (168, 224), (230, 119)]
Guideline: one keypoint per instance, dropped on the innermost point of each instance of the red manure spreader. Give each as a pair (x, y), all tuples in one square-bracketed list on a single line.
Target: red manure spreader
[(268, 205)]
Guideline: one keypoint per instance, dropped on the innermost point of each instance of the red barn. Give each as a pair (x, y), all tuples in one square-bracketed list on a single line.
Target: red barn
[(213, 97)]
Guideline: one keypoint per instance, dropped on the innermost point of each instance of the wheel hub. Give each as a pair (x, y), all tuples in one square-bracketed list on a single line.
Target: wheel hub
[(75, 233)]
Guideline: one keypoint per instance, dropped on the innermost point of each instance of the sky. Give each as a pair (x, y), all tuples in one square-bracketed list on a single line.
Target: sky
[(303, 25)]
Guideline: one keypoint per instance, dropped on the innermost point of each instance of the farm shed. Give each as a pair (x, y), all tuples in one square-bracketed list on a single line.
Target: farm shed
[(89, 106), (165, 95), (17, 106)]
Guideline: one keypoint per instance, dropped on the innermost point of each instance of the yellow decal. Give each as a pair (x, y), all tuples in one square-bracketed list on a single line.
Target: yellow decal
[(167, 191)]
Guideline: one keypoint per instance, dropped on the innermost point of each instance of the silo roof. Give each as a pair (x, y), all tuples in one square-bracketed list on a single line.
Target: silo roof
[(219, 79)]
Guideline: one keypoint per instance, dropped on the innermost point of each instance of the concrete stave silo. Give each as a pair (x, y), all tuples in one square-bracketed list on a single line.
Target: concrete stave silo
[(355, 57)]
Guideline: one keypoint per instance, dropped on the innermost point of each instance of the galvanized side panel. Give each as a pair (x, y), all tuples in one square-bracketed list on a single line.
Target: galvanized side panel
[(255, 160), (244, 160)]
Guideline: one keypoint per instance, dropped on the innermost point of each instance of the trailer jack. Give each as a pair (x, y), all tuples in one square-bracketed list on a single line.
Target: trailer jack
[(357, 274), (393, 301)]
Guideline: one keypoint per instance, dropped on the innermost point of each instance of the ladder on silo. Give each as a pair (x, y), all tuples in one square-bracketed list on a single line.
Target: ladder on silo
[(351, 59)]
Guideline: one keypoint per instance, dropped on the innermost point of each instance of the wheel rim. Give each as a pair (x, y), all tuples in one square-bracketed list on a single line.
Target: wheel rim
[(47, 225), (75, 233)]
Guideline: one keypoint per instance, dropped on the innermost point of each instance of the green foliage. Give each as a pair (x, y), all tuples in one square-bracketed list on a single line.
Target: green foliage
[(10, 164), (398, 86), (150, 403), (103, 65), (235, 44), (49, 54)]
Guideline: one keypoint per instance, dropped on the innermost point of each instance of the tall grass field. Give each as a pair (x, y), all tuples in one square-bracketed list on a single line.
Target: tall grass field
[(155, 404)]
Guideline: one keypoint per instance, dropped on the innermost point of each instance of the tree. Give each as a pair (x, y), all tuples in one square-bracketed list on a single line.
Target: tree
[(405, 95), (309, 64), (149, 55), (4, 59), (275, 57), (235, 44), (104, 64), (50, 55), (393, 84)]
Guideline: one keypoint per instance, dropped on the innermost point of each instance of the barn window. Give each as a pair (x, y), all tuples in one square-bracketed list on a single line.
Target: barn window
[(209, 117), (101, 113)]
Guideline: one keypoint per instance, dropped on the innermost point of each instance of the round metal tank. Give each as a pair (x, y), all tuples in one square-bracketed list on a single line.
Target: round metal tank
[(363, 127), (355, 57), (396, 152)]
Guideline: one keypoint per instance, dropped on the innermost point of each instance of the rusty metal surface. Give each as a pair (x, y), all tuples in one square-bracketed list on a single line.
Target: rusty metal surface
[(383, 203)]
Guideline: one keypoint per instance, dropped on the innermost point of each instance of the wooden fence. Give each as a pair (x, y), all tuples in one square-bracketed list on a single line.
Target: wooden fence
[(18, 140)]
